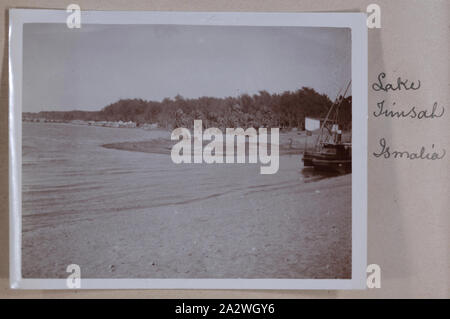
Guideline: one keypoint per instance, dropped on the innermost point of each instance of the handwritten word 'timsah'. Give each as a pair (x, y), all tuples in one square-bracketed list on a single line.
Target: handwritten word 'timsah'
[(412, 113)]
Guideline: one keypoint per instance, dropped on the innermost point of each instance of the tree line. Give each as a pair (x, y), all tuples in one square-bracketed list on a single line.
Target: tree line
[(284, 110)]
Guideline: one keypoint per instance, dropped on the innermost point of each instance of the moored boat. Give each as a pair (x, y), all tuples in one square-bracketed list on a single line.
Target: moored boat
[(329, 153), (335, 157)]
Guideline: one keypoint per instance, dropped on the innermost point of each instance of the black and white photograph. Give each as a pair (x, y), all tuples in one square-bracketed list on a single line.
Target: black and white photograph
[(188, 151)]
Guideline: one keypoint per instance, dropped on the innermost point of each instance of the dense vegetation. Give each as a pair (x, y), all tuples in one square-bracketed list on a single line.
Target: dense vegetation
[(286, 110)]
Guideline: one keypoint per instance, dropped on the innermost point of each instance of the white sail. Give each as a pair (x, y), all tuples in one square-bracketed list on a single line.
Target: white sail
[(311, 124)]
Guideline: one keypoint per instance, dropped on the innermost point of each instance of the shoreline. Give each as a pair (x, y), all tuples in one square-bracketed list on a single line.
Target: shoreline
[(164, 146), (290, 143)]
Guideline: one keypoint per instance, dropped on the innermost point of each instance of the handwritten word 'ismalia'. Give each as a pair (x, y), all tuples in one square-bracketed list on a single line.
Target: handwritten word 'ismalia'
[(412, 113), (386, 152), (400, 85)]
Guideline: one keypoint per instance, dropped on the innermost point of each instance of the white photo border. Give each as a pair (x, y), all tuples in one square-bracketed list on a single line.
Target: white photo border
[(354, 21)]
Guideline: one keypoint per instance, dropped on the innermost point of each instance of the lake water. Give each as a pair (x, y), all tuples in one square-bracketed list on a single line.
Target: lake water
[(66, 171)]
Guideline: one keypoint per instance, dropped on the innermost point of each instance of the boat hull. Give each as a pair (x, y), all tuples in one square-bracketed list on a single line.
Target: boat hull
[(307, 160), (341, 166), (340, 162)]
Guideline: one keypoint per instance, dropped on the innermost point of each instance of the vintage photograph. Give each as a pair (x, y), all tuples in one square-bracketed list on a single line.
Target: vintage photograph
[(186, 151)]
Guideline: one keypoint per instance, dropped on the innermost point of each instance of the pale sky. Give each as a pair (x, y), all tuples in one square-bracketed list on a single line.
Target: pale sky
[(89, 68)]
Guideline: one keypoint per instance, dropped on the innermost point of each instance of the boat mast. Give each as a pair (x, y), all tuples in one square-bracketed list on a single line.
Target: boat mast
[(337, 103)]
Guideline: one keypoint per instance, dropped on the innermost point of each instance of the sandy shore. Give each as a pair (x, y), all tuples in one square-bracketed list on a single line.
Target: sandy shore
[(290, 143), (276, 235)]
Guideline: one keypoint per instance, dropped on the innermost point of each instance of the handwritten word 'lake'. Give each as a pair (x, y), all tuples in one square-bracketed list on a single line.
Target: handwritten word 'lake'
[(412, 113), (400, 85), (422, 154)]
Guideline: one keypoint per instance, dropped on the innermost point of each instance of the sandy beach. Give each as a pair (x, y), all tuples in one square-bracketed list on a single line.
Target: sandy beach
[(262, 239), (291, 143)]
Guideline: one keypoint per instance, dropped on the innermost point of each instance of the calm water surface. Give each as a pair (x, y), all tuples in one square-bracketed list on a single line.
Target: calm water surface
[(68, 175)]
